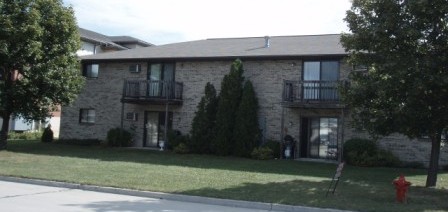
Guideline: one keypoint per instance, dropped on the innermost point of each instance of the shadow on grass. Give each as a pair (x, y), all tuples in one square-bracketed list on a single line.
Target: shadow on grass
[(360, 175), (167, 158), (348, 196)]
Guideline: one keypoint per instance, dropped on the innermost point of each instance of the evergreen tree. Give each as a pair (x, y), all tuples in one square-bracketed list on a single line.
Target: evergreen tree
[(202, 130), (246, 133), (230, 96)]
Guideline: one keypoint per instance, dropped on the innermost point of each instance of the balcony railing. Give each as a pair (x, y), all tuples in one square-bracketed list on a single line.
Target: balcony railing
[(311, 91), (152, 90)]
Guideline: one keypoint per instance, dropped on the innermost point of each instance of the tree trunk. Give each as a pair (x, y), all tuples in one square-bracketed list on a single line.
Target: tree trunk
[(431, 179), (4, 132)]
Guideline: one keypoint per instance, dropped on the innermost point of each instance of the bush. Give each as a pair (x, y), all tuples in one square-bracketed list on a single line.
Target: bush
[(364, 152), (415, 165), (80, 142), (274, 146), (47, 135), (386, 158), (175, 138), (262, 153), (118, 137), (182, 148), (24, 135)]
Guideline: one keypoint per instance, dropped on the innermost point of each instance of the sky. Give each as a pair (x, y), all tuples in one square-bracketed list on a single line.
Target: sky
[(169, 21)]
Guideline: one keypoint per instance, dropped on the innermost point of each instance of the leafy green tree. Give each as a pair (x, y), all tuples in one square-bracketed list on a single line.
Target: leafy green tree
[(246, 133), (202, 128), (404, 46), (229, 100), (38, 63)]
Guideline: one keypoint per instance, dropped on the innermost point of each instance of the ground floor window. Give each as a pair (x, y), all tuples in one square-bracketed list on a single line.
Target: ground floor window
[(319, 138), (87, 115)]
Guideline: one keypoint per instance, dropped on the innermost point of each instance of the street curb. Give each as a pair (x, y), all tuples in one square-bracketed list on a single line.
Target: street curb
[(173, 197)]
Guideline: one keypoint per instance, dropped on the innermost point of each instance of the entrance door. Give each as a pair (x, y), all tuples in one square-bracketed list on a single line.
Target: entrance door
[(151, 129), (155, 127), (319, 138)]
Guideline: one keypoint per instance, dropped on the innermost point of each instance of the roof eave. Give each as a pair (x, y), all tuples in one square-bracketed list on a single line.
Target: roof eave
[(211, 58)]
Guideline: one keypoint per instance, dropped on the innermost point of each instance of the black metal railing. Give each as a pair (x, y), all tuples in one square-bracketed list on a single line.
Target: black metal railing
[(311, 91), (152, 89)]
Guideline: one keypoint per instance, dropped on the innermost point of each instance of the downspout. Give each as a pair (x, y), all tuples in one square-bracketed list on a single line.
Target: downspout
[(282, 125), (341, 154), (166, 114)]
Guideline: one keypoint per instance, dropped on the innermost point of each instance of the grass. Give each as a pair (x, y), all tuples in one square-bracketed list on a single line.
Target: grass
[(275, 181)]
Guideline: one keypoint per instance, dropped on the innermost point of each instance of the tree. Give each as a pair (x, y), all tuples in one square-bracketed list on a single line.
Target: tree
[(229, 100), (404, 46), (38, 62), (246, 133), (202, 127)]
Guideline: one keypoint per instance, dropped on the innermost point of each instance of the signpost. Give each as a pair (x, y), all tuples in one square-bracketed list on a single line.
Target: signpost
[(335, 180)]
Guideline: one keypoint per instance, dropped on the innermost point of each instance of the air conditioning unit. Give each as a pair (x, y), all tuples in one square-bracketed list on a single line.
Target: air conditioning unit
[(135, 68), (132, 116)]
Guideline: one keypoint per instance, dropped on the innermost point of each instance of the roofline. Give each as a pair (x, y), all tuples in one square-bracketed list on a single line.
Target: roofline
[(272, 57), (101, 42)]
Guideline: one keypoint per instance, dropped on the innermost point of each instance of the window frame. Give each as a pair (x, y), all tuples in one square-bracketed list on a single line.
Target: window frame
[(87, 71), (85, 113)]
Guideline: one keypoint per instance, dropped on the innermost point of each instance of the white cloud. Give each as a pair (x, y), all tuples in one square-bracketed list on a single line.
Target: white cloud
[(167, 21)]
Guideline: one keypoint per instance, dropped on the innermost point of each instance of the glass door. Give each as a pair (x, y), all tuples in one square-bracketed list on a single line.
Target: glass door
[(311, 76), (320, 138), (319, 80), (151, 129), (154, 78)]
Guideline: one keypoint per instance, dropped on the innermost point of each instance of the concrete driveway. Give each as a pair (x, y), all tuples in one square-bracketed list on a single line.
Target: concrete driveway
[(18, 197)]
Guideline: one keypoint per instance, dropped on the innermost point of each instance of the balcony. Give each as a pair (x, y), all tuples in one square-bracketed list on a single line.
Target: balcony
[(312, 94), (152, 92)]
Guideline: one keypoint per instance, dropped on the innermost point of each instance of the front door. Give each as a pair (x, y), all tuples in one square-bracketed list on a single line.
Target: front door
[(154, 127), (319, 138), (151, 129)]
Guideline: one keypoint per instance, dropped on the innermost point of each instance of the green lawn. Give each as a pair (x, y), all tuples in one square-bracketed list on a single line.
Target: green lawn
[(275, 181)]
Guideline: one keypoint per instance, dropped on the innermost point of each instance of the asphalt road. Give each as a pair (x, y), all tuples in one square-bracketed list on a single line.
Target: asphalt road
[(19, 197)]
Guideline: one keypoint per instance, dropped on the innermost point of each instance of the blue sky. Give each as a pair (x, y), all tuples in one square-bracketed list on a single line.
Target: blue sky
[(169, 21)]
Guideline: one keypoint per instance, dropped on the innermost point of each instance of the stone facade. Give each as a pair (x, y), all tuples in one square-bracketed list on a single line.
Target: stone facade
[(103, 94)]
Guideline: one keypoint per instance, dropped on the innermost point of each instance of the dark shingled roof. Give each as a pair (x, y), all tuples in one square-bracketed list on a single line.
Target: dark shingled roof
[(98, 38), (254, 47), (129, 40)]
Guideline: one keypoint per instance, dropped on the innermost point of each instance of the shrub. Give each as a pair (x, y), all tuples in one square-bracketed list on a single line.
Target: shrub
[(24, 135), (364, 152), (359, 152), (80, 142), (203, 125), (182, 148), (274, 146), (118, 137), (386, 158), (246, 134), (47, 135), (262, 153), (229, 100), (175, 137)]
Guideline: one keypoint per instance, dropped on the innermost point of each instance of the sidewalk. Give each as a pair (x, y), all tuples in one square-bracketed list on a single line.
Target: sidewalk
[(41, 195)]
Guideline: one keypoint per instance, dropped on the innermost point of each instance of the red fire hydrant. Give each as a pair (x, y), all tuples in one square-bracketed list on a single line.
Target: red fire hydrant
[(401, 188)]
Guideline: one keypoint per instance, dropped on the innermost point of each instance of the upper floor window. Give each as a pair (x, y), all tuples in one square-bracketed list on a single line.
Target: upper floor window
[(87, 115), (321, 70), (91, 70)]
